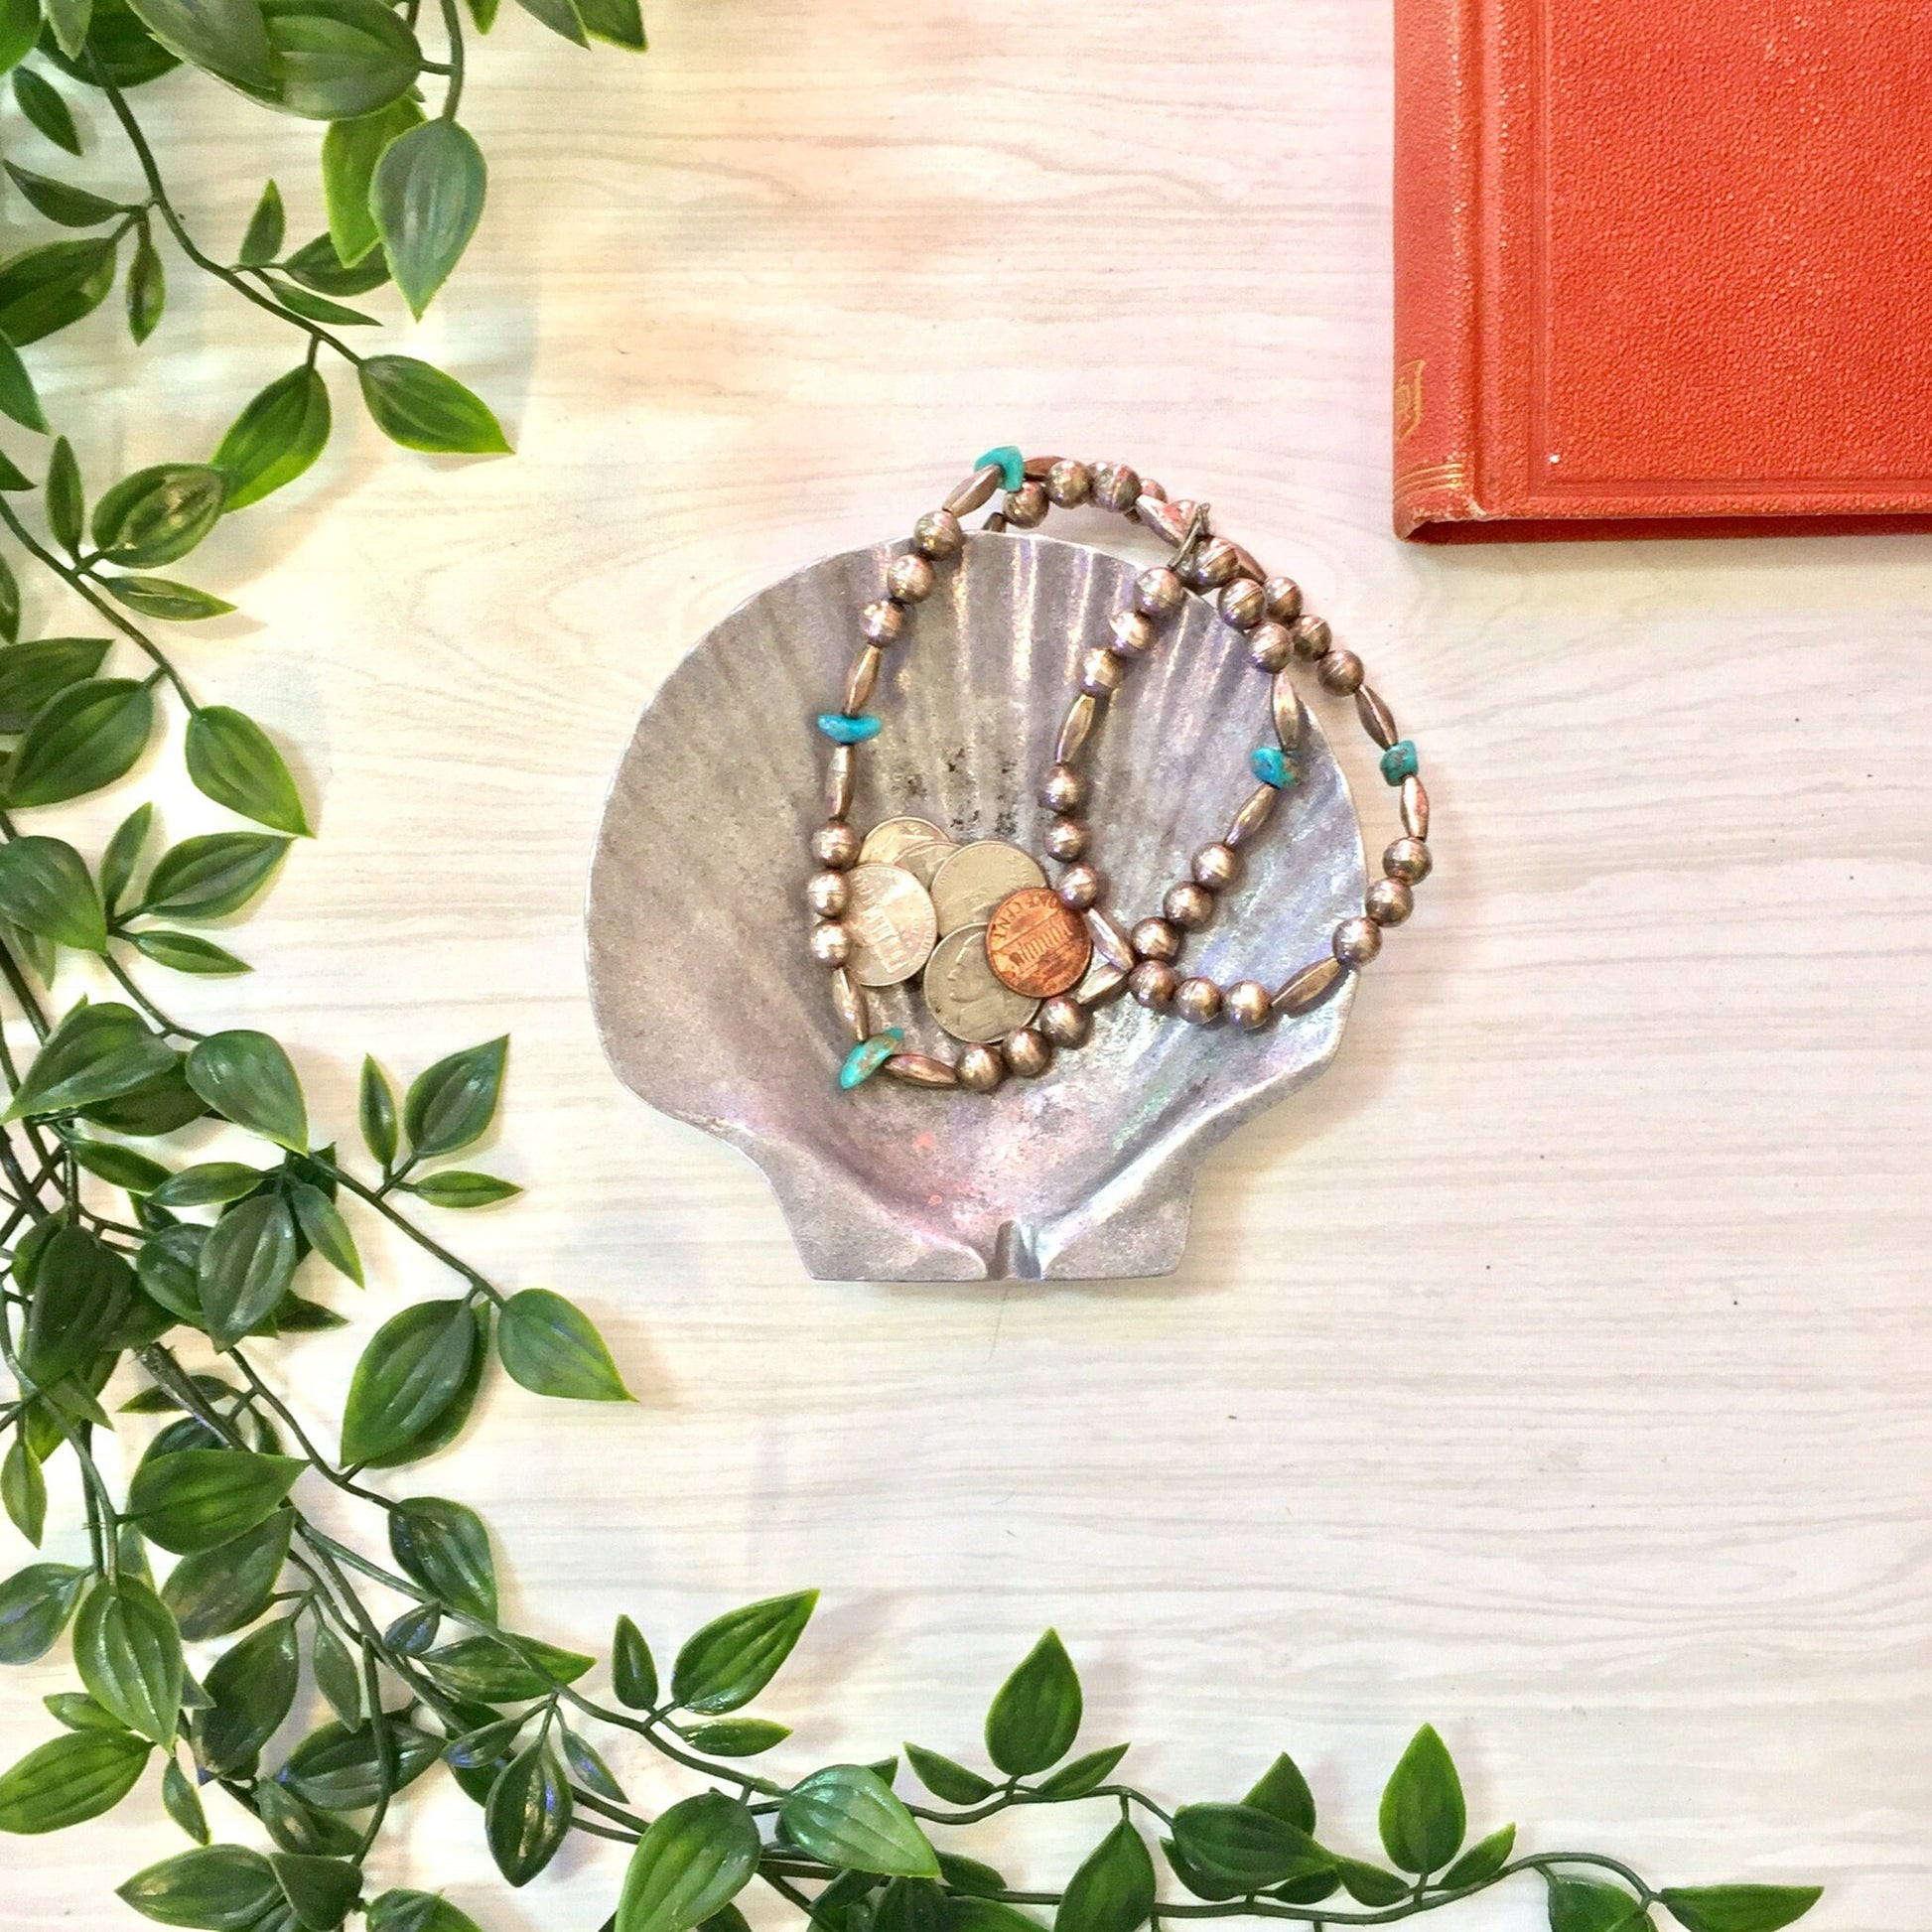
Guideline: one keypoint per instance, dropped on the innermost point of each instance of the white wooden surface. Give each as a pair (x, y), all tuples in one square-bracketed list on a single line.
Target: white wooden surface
[(1559, 1370)]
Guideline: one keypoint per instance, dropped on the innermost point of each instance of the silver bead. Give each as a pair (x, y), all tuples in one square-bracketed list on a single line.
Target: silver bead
[(1101, 672), (1389, 902), (910, 577), (1249, 568), (1357, 942), (1065, 790), (921, 1071), (1109, 941), (1269, 647), (939, 535), (1026, 1052), (1188, 905), (836, 845), (1216, 867), (1115, 487), (1242, 604), (1415, 809), (1069, 484), (1156, 939), (1148, 487), (850, 999), (1291, 718), (1074, 728), (977, 489), (1312, 638), (1066, 840), (1158, 592), (1133, 633), (1027, 506), (1153, 983), (882, 621), (1310, 987), (1197, 1000), (1248, 1005), (858, 681), (1212, 564), (1409, 861), (1340, 671), (1282, 596), (1164, 519), (826, 893), (831, 945), (1103, 982), (840, 770), (1256, 810), (1377, 718), (1079, 887), (981, 1069), (1065, 1022)]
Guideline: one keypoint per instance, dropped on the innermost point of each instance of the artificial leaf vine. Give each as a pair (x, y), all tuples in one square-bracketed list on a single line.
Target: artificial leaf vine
[(209, 1593)]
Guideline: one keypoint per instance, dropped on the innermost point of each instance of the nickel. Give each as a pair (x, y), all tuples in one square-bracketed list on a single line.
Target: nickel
[(915, 843), (965, 994), (890, 916), (977, 876)]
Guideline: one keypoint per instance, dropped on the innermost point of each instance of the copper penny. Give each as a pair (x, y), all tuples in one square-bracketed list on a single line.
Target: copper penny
[(1035, 945)]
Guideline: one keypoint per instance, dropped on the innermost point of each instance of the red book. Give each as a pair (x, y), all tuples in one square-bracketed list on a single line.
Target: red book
[(1663, 268)]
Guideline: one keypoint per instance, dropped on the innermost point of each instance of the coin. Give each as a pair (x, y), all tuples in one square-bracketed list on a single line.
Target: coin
[(1035, 945), (890, 916), (967, 888), (916, 844), (965, 996)]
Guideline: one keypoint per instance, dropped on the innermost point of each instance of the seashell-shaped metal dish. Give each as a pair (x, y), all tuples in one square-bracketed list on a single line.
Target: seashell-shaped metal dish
[(710, 1008)]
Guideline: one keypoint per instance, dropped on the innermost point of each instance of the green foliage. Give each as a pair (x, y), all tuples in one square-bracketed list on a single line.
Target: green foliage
[(733, 1657), (1421, 1818), (1036, 1715)]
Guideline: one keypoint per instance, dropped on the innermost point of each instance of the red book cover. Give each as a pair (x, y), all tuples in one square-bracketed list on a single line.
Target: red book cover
[(1663, 268)]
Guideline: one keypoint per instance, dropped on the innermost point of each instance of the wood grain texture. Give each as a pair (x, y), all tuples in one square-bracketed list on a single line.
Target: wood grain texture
[(1560, 1369)]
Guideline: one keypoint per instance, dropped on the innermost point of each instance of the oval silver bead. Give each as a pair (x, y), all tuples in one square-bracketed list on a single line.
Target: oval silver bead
[(1156, 939), (1357, 942), (1158, 592), (840, 769), (1312, 638), (1065, 790), (910, 577), (1269, 647), (1389, 902), (830, 943), (1187, 906), (1242, 604), (1115, 487), (1133, 633), (1075, 728), (859, 682), (1216, 867), (1310, 987), (977, 489), (1408, 859), (1289, 714), (921, 1071), (1102, 983), (1153, 983), (826, 893), (1255, 812), (882, 621), (1109, 941), (1101, 672), (1248, 1005), (1066, 839), (1340, 671), (1415, 809), (1079, 889), (1377, 718), (850, 999), (836, 845)]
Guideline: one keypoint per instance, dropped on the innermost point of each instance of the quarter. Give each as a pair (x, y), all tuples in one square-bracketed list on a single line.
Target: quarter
[(917, 845), (964, 993), (1035, 945), (977, 876), (890, 916)]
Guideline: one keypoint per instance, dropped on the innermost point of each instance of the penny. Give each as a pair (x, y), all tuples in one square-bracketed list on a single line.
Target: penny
[(1035, 945), (915, 843), (965, 996), (890, 916), (967, 888)]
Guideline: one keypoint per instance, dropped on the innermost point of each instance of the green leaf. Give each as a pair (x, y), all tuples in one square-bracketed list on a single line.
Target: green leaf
[(225, 1888), (324, 1231), (736, 1737), (619, 22), (945, 1779), (66, 497), (9, 583), (207, 1183), (337, 1676), (35, 97), (159, 513), (215, 1592), (317, 307), (147, 287), (559, 16), (266, 228), (95, 1053), (163, 597), (296, 1826), (81, 739), (588, 1768), (973, 1913), (527, 1814), (226, 37), (1738, 1908), (23, 1493), (418, 406), (1083, 1776), (247, 1264), (128, 1653), (315, 264), (71, 207), (44, 887), (410, 1372), (1035, 1714), (211, 874), (696, 1858), (232, 758), (13, 477), (551, 1348), (253, 1686), (1584, 1905), (276, 438), (377, 1111), (1422, 1816), (489, 1669), (188, 952), (458, 1188), (125, 848), (727, 1663), (445, 1547), (449, 1107), (80, 1297), (969, 1878), (17, 396), (120, 1167), (1369, 1885), (247, 1078), (45, 289), (71, 1778), (319, 1891), (67, 22), (349, 152), (1482, 1860), (200, 1498), (427, 196), (183, 1804), (633, 1670), (1246, 1849), (488, 1746), (847, 1816), (1113, 1890), (35, 1605), (32, 672), (78, 1711), (337, 1768), (416, 1911), (336, 59)]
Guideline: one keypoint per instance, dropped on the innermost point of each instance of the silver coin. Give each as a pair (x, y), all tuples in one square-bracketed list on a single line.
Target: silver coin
[(966, 995), (916, 844), (967, 888), (890, 916)]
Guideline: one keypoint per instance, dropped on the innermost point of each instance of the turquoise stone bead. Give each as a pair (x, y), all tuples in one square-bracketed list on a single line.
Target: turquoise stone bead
[(842, 729), (1399, 762), (1272, 766), (869, 1056), (1013, 466)]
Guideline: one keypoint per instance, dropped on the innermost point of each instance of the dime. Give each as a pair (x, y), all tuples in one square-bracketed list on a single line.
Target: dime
[(977, 877), (890, 916), (965, 996), (1035, 945), (916, 844)]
